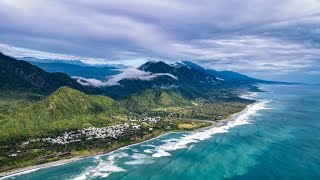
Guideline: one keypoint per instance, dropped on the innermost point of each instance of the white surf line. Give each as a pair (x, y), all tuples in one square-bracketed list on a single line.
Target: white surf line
[(21, 173), (182, 143)]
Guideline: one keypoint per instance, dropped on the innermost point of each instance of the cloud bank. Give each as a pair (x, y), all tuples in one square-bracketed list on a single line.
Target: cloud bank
[(248, 36)]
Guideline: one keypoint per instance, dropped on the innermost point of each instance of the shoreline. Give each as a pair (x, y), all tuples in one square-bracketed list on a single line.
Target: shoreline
[(29, 169)]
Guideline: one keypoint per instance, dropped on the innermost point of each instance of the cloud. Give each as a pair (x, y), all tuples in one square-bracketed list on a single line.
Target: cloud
[(90, 81), (252, 35), (252, 53), (126, 74), (135, 74), (20, 52)]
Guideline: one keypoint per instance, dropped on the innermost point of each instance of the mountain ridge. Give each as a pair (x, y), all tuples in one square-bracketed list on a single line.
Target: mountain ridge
[(192, 80), (186, 77), (23, 76)]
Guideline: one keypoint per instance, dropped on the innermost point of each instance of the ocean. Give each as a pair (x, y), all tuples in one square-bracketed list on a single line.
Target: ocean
[(276, 138)]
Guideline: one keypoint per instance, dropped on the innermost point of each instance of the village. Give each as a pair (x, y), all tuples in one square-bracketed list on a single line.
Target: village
[(113, 132), (103, 137)]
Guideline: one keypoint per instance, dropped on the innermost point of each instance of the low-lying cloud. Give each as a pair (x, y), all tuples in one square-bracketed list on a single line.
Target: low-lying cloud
[(126, 74), (135, 74), (90, 81)]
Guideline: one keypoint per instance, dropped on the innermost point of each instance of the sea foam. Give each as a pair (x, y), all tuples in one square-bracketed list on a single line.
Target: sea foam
[(149, 151), (103, 169), (139, 159), (161, 153), (116, 155)]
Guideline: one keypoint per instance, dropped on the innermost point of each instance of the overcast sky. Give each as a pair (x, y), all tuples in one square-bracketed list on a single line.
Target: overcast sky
[(271, 39)]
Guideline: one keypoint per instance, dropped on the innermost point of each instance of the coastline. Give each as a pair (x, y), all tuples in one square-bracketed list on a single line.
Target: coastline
[(28, 169)]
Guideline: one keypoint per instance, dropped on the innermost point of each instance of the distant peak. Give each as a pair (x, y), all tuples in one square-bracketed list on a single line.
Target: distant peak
[(152, 62), (156, 67), (155, 62)]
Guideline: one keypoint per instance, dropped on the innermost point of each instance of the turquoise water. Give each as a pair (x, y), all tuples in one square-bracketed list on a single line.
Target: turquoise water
[(276, 138)]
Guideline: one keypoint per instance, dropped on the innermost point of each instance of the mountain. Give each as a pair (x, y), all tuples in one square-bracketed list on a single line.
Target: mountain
[(128, 87), (157, 67), (22, 76), (185, 74), (189, 81), (76, 68), (65, 109), (85, 71), (229, 76), (33, 60)]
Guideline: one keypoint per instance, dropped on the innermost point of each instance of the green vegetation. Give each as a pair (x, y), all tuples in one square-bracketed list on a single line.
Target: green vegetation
[(64, 110), (212, 110), (26, 115), (152, 98), (26, 118), (172, 104), (12, 101)]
